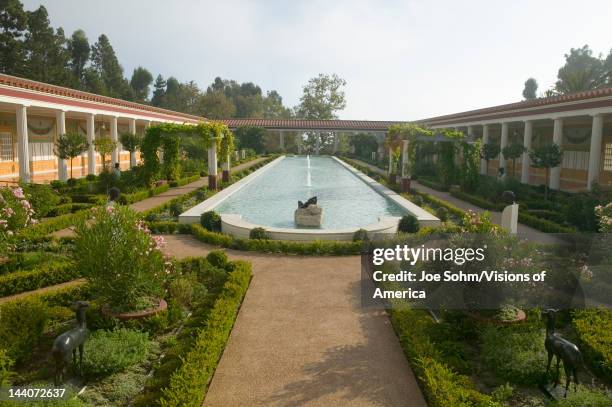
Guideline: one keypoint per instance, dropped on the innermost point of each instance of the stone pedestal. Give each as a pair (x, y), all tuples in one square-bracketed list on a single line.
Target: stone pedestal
[(405, 184), (212, 182), (311, 216), (225, 176), (509, 220)]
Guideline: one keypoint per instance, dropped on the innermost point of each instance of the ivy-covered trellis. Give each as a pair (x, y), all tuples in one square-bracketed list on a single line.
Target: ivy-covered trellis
[(165, 140), (408, 140)]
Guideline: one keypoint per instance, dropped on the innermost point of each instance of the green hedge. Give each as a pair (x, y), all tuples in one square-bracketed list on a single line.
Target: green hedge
[(437, 202), (543, 225), (475, 200), (189, 383), (594, 329), (184, 181), (52, 224), (441, 386), (168, 227), (54, 272), (318, 248), (68, 208), (433, 184)]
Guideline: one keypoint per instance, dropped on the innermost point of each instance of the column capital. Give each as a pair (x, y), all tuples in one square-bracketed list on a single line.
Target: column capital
[(596, 115)]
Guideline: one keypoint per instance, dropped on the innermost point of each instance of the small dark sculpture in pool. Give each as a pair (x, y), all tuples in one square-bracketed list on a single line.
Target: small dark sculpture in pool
[(67, 343), (311, 201), (563, 349)]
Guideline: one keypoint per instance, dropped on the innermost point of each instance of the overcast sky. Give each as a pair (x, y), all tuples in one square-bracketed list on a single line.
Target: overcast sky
[(402, 60)]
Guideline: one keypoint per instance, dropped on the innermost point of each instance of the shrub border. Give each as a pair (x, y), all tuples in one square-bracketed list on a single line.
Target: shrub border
[(189, 384)]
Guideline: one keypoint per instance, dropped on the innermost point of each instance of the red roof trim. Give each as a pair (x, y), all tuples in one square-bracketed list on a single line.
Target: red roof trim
[(527, 104), (303, 124), (85, 99)]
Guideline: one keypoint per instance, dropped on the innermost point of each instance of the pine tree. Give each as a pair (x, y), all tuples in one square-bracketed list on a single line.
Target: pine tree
[(13, 21), (105, 62), (79, 49), (159, 92), (46, 55), (141, 80)]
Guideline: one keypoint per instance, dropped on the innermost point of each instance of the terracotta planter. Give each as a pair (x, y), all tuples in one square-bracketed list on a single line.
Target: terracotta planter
[(127, 316)]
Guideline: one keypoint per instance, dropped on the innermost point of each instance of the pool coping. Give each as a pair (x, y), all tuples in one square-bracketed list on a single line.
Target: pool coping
[(192, 215), (425, 218), (234, 225)]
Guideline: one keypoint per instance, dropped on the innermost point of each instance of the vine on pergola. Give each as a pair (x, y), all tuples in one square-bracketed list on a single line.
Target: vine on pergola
[(166, 138), (400, 132)]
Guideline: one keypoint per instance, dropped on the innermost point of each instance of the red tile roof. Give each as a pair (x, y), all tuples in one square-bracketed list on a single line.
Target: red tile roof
[(303, 124), (101, 101), (573, 101)]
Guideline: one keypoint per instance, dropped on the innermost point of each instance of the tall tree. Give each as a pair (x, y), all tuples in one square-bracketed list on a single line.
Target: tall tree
[(531, 87), (547, 157), (273, 106), (141, 81), (323, 96), (13, 20), (215, 105), (159, 92), (69, 146), (46, 55), (79, 49), (582, 71), (105, 62)]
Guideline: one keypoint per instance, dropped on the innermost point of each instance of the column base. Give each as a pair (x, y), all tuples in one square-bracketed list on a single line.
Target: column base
[(212, 182), (405, 184), (392, 179), (225, 176)]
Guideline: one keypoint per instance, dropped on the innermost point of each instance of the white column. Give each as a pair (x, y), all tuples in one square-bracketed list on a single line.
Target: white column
[(23, 152), (555, 173), (595, 151), (62, 167), (404, 158), (91, 151), (485, 140), (115, 137), (212, 164), (526, 162), (390, 161), (132, 130), (503, 143), (281, 140), (336, 141), (470, 133)]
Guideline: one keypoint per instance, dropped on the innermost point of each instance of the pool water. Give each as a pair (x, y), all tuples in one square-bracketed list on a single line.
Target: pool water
[(271, 199)]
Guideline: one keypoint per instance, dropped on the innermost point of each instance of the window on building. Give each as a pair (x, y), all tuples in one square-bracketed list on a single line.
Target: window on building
[(6, 146), (608, 157)]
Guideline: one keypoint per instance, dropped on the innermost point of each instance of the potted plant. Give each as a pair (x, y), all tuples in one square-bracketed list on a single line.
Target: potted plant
[(122, 261)]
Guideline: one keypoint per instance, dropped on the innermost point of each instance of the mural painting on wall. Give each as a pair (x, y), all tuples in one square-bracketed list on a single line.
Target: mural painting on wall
[(41, 130)]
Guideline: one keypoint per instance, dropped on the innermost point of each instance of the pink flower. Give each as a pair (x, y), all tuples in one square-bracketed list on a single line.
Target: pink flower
[(159, 241), (18, 193)]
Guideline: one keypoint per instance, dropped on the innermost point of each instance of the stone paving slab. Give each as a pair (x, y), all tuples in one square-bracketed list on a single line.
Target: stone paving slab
[(302, 339)]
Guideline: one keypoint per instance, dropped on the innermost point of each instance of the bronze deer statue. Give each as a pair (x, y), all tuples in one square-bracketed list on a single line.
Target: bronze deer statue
[(563, 349), (67, 343)]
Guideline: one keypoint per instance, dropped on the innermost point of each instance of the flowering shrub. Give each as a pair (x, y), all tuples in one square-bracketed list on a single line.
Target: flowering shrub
[(15, 213), (116, 252), (475, 223), (604, 213)]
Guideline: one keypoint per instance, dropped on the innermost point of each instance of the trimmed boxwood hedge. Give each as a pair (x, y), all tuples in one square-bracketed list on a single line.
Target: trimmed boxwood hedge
[(441, 386), (475, 200), (543, 225), (54, 272), (433, 185), (189, 383), (594, 329), (318, 248), (184, 181)]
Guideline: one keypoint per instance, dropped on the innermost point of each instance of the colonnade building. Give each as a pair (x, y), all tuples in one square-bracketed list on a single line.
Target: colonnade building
[(33, 114)]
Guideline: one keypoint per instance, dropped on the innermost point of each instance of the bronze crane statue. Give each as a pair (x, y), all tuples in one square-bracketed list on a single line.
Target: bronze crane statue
[(563, 349), (67, 343)]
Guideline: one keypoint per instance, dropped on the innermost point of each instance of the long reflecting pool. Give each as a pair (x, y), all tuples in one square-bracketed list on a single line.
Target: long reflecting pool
[(271, 199)]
